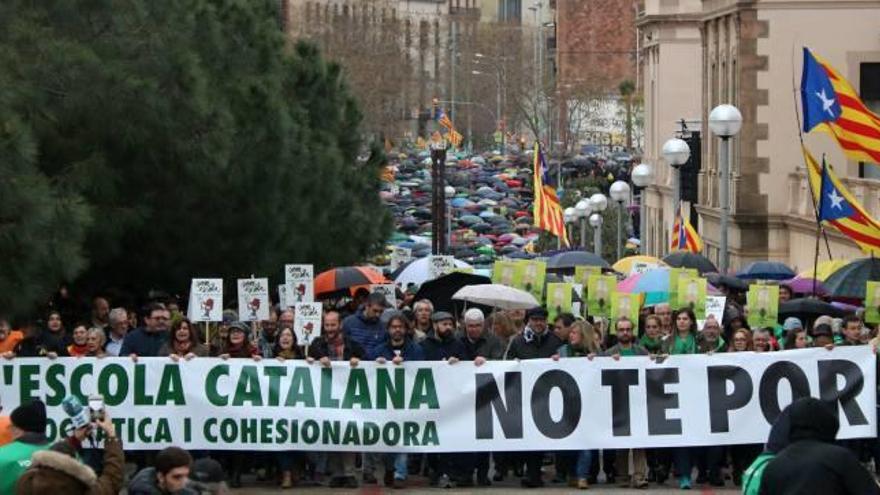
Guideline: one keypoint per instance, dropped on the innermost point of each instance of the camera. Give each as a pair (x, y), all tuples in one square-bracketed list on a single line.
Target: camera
[(96, 408)]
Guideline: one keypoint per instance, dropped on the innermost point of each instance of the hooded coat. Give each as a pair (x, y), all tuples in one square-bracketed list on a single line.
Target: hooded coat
[(57, 472), (811, 463)]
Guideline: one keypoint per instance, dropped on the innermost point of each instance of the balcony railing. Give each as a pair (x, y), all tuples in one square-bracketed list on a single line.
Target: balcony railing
[(800, 203)]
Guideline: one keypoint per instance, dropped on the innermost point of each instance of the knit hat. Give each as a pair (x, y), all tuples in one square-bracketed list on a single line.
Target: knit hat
[(229, 316), (30, 417), (241, 326)]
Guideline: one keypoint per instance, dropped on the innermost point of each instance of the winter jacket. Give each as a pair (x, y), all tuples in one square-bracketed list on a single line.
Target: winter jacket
[(145, 483), (11, 340), (704, 346), (42, 344), (366, 332), (143, 343), (409, 351), (637, 349), (199, 350), (15, 458), (812, 464), (486, 346), (438, 348), (350, 349), (56, 472), (535, 346)]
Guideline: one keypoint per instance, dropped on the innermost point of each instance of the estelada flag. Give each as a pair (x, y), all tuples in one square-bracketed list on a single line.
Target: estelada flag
[(830, 103), (840, 209), (684, 237), (547, 210)]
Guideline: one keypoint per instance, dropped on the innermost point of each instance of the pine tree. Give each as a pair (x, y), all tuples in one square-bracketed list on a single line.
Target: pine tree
[(197, 142)]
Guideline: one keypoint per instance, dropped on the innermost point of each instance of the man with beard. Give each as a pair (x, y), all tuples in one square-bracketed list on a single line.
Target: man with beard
[(535, 342), (333, 346), (627, 346), (146, 341), (365, 326)]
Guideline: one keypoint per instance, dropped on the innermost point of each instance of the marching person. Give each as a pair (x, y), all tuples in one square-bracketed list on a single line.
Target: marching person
[(170, 475), (682, 341), (331, 346), (535, 342), (147, 340), (118, 330), (285, 349), (95, 343), (422, 311), (79, 346), (365, 326), (397, 348), (183, 342), (628, 346)]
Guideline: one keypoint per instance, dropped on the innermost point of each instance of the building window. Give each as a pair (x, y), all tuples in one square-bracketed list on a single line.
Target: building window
[(869, 80)]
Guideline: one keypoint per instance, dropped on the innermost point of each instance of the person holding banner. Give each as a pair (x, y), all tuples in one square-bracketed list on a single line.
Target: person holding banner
[(8, 338), (710, 458), (365, 327), (582, 342), (146, 341), (709, 339), (682, 341), (627, 346), (285, 348), (652, 339), (183, 342), (333, 346), (397, 348), (535, 342), (238, 346), (79, 347), (664, 311)]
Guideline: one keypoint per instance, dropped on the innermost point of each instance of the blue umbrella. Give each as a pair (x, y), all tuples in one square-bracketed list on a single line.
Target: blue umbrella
[(766, 270), (460, 202), (653, 281)]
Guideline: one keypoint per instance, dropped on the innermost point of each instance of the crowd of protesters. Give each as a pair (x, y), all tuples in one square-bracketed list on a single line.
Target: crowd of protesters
[(366, 328)]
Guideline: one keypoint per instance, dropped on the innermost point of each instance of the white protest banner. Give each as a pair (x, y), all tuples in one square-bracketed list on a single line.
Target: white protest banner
[(399, 257), (570, 404), (300, 281), (253, 299), (205, 300), (439, 266), (389, 291), (714, 307), (306, 322)]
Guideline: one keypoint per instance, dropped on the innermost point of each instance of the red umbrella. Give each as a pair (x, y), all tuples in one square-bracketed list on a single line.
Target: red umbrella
[(346, 280)]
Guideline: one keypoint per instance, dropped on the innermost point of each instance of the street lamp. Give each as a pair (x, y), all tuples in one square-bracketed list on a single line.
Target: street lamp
[(642, 176), (620, 193), (676, 152), (583, 210), (569, 216), (598, 203), (725, 121)]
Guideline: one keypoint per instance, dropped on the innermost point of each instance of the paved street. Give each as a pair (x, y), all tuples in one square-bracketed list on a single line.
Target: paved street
[(419, 485)]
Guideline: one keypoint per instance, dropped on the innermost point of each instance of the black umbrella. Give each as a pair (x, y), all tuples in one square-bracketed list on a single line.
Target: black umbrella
[(440, 290), (850, 281), (732, 283), (808, 308), (571, 259), (687, 259)]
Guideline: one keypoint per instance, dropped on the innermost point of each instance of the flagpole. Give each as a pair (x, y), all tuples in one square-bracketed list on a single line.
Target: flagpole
[(818, 221), (797, 116)]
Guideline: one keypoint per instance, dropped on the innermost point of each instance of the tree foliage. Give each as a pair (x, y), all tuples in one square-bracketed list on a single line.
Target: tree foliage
[(150, 141)]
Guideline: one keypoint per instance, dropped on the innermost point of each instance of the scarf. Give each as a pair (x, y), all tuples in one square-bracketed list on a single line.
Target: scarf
[(529, 335), (685, 345), (652, 345)]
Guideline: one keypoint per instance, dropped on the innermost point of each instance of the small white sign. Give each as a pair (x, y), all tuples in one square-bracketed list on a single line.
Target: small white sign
[(439, 266), (300, 280), (389, 291), (205, 300), (306, 322), (399, 257), (714, 307), (642, 267), (253, 299)]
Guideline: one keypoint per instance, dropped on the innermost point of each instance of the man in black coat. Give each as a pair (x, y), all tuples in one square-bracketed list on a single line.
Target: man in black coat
[(812, 464), (535, 342)]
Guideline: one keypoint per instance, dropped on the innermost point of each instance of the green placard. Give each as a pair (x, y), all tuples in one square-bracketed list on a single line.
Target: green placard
[(628, 305), (674, 275), (763, 303), (692, 294), (506, 272), (532, 280), (558, 299), (582, 274), (872, 302), (600, 289)]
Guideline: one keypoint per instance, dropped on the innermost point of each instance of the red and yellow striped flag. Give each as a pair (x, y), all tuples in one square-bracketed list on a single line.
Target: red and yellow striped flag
[(547, 210), (831, 103), (684, 237), (857, 224)]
